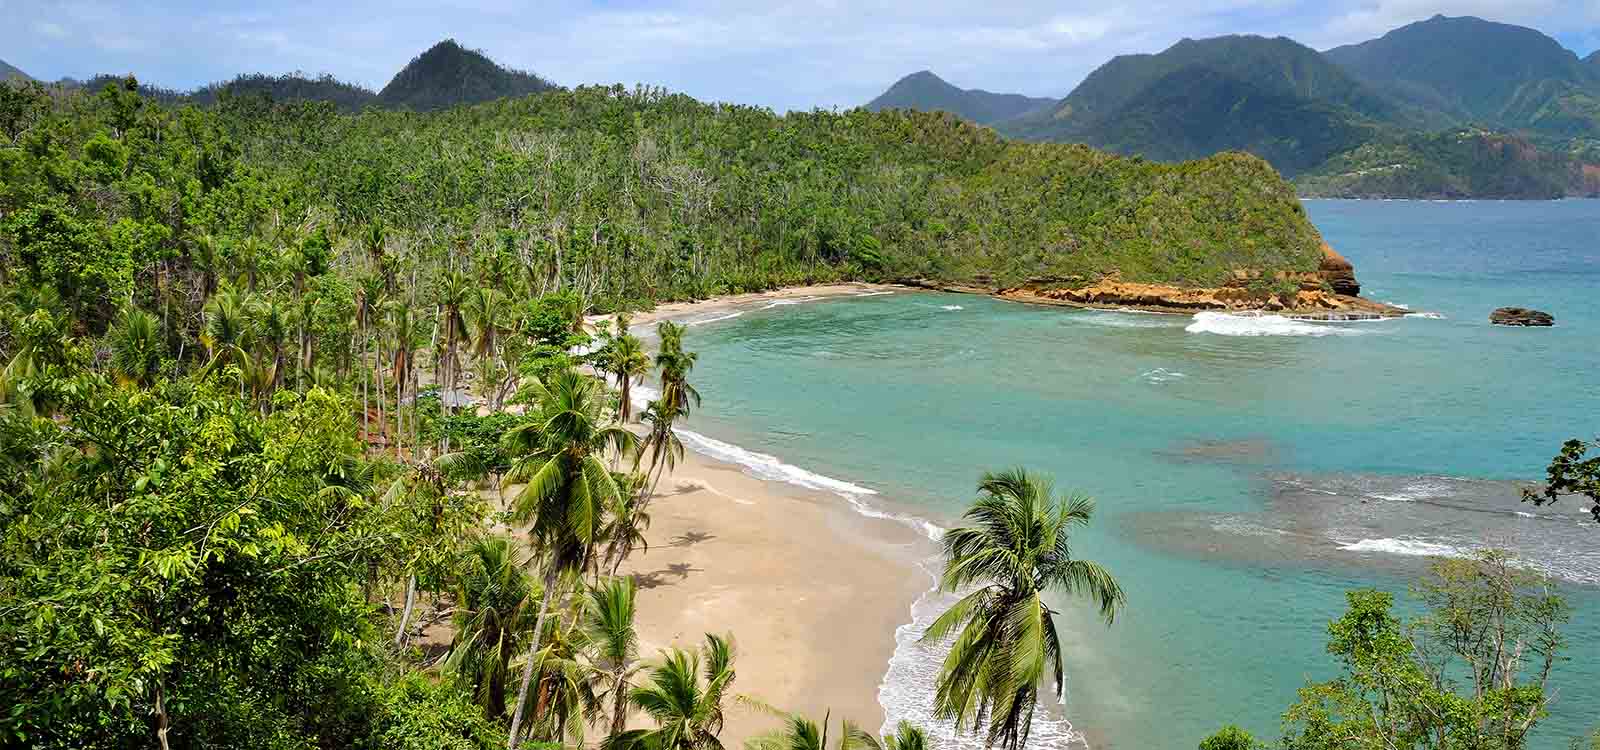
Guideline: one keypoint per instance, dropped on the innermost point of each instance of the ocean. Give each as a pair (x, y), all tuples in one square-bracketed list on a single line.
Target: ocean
[(1248, 471)]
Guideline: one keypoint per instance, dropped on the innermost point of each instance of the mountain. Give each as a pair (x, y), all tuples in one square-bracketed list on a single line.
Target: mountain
[(1273, 97), (1478, 71), (1593, 59), (347, 97), (8, 71), (449, 74), (927, 92), (1466, 163)]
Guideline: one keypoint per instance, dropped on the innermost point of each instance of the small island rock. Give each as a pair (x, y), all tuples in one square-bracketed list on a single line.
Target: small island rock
[(1520, 316)]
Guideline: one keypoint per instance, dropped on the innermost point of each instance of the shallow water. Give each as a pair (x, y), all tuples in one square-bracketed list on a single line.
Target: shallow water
[(1248, 472)]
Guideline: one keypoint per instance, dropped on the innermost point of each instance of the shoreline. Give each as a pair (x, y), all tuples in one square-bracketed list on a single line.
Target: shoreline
[(810, 588)]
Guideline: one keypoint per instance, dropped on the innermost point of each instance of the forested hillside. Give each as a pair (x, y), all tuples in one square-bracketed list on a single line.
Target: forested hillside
[(1481, 72), (1272, 97), (8, 71), (449, 74), (926, 92), (1459, 164)]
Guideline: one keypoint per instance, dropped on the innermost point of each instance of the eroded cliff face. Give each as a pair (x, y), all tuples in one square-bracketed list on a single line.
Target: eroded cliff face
[(1338, 273)]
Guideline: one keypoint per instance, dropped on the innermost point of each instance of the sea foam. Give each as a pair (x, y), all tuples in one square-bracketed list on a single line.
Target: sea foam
[(1227, 324), (1404, 547)]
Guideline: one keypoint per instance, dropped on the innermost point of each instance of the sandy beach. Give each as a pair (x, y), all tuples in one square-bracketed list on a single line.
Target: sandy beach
[(707, 307), (811, 590)]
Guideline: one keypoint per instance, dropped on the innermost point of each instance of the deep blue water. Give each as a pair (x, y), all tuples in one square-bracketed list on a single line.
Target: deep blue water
[(1244, 481)]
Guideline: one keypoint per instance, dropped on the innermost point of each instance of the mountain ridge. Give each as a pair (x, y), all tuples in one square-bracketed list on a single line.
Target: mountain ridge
[(923, 90), (8, 71), (1480, 71), (1273, 97)]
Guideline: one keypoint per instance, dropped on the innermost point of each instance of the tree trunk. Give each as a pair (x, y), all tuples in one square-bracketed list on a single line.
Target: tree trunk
[(405, 615), (162, 720), (527, 668)]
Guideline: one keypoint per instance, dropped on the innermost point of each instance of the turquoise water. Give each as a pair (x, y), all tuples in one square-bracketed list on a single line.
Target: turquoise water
[(1244, 481)]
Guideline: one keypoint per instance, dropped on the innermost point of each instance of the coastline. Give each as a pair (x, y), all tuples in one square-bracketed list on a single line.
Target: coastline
[(811, 590)]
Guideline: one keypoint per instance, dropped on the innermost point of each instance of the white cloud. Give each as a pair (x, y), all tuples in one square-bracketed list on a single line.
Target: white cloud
[(782, 54)]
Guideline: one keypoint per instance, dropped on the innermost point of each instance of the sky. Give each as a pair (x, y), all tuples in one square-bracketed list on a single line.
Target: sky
[(782, 55)]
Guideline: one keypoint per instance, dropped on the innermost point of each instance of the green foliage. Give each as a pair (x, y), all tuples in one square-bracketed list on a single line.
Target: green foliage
[(175, 563), (686, 705), (1403, 684), (1572, 472), (1231, 737), (417, 714)]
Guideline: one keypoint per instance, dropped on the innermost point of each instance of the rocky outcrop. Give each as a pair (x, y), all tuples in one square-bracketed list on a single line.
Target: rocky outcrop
[(1328, 293), (1521, 316), (1111, 293), (1337, 273)]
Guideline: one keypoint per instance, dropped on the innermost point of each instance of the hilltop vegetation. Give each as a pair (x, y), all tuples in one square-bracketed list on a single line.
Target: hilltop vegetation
[(929, 93), (630, 197), (445, 75), (449, 74)]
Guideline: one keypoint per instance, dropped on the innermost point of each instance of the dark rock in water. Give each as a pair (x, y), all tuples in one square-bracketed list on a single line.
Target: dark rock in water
[(1520, 316)]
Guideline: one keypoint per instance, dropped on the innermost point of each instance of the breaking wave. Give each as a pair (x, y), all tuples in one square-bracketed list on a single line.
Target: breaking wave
[(1228, 324)]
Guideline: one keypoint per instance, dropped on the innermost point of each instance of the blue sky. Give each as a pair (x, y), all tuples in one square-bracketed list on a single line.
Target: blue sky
[(777, 54)]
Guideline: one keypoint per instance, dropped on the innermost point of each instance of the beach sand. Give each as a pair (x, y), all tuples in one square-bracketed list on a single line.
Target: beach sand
[(707, 307), (811, 591)]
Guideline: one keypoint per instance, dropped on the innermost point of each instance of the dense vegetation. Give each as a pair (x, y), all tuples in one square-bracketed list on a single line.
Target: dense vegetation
[(929, 93), (1457, 164)]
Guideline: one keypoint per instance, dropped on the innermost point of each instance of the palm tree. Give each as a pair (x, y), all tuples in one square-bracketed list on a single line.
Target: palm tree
[(568, 487), (660, 443), (1015, 547), (272, 326), (226, 327), (494, 619), (625, 359), (613, 647), (905, 737), (686, 707), (629, 520), (136, 348), (403, 328), (455, 289), (801, 733), (675, 364), (486, 312)]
